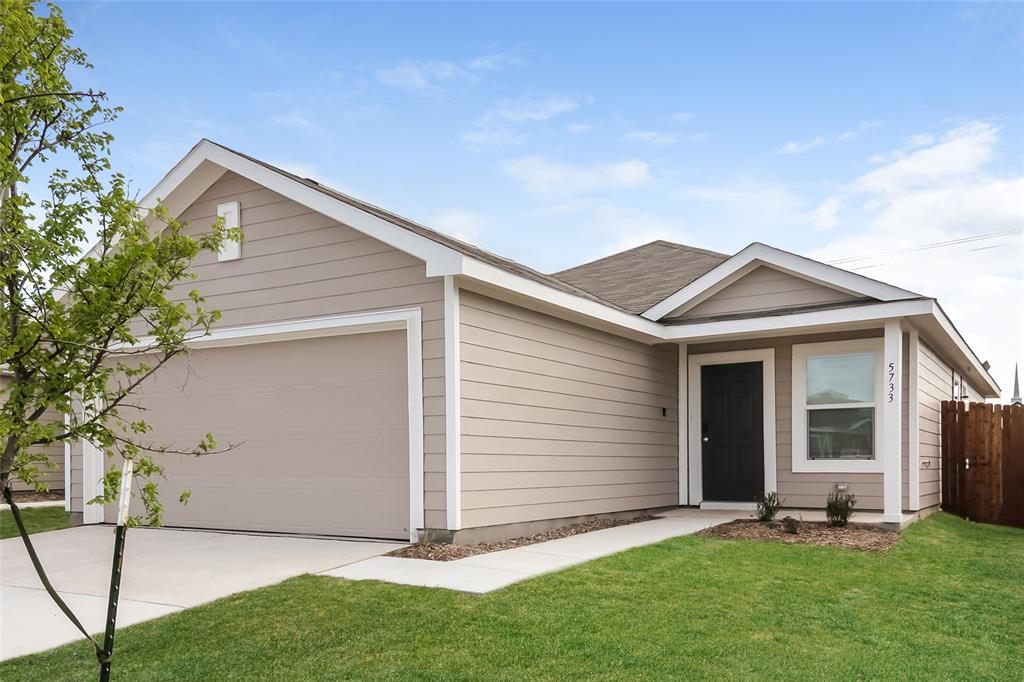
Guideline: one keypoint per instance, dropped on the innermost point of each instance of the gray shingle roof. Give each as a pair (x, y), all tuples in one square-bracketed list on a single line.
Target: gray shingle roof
[(641, 277)]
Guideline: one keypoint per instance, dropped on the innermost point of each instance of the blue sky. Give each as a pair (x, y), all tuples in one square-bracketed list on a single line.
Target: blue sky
[(555, 134)]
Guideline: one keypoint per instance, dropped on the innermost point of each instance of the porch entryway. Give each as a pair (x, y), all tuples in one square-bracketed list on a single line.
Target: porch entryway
[(732, 431)]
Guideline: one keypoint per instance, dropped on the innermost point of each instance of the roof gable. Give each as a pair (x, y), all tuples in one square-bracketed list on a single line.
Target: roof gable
[(758, 254), (762, 289)]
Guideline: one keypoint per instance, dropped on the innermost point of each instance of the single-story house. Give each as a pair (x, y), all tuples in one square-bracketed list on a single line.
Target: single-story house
[(381, 379)]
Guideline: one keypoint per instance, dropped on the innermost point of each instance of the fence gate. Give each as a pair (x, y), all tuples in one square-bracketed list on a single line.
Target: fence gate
[(983, 462)]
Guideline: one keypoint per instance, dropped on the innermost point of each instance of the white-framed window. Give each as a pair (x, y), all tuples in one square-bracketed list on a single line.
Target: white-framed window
[(837, 408), (230, 249)]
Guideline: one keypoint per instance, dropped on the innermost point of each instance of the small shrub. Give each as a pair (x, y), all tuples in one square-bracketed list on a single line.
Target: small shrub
[(791, 525), (767, 506), (839, 508)]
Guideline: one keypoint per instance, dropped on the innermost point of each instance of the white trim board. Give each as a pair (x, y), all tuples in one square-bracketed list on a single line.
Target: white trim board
[(914, 423), (452, 404), (766, 356), (800, 463), (408, 319), (758, 254)]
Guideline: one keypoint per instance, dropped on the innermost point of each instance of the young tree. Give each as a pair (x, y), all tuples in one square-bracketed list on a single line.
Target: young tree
[(80, 330)]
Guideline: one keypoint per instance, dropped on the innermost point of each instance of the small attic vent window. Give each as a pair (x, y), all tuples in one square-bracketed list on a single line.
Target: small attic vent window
[(229, 250)]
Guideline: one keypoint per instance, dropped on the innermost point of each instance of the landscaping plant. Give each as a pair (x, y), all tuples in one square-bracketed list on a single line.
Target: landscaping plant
[(80, 330), (768, 505), (839, 508)]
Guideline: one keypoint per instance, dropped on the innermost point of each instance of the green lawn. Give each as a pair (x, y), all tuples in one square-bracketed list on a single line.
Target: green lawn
[(946, 603), (37, 520)]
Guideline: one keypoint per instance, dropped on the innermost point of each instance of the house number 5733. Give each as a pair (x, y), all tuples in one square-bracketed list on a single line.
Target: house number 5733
[(892, 385)]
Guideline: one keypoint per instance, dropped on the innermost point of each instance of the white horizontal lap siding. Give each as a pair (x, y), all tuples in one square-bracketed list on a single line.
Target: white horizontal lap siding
[(801, 489), (560, 419), (934, 384), (298, 264)]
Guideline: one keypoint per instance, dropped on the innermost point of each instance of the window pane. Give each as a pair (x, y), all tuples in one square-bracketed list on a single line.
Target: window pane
[(841, 379), (844, 433)]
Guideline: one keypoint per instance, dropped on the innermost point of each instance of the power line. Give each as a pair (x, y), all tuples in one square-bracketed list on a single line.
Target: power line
[(933, 245)]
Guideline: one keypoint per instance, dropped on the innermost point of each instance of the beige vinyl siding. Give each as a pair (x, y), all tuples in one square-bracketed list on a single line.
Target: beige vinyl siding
[(763, 288), (298, 264), (934, 384), (53, 478), (809, 489), (561, 420)]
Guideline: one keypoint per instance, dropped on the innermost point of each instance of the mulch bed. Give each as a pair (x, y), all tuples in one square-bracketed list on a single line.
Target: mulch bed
[(854, 536), (33, 496), (439, 552)]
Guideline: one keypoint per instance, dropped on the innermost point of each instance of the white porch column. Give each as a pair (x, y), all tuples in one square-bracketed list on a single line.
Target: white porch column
[(892, 423), (684, 435)]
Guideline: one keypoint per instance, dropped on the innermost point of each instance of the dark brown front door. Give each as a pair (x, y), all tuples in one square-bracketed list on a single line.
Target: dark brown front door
[(732, 431)]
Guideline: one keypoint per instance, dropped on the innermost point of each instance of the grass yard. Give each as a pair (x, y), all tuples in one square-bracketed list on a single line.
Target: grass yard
[(37, 520), (945, 603)]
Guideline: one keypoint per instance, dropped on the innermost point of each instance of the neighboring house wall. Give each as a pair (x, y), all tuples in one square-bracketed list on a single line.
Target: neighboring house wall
[(53, 478), (810, 489), (764, 288), (561, 420), (299, 264)]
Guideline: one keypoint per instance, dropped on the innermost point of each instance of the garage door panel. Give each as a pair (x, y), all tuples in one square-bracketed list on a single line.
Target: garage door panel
[(319, 430)]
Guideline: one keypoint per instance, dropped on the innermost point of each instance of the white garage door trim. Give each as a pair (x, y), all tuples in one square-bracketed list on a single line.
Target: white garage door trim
[(409, 319)]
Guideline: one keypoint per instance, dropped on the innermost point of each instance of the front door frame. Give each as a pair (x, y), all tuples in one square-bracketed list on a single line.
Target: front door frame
[(766, 356)]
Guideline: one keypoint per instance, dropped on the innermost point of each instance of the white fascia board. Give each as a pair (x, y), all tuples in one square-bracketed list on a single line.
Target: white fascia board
[(758, 254), (862, 313), (490, 274)]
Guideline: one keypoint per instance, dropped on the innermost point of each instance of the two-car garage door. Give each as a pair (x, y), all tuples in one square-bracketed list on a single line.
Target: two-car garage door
[(319, 429)]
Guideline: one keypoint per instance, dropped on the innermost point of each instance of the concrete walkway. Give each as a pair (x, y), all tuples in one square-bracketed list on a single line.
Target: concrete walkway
[(488, 572), (165, 571)]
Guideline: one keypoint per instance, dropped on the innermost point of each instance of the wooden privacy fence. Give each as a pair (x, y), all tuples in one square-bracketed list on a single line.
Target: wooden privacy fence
[(983, 462)]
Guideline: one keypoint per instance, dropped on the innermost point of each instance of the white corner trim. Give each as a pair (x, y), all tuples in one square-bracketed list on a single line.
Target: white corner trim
[(407, 319), (766, 356), (92, 475), (800, 461), (683, 438), (67, 465), (914, 423), (892, 424), (452, 404), (757, 253)]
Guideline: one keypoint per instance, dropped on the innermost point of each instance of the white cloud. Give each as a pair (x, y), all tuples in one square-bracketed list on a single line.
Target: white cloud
[(654, 137), (683, 117), (632, 228), (293, 119), (942, 192), (461, 224), (579, 128), (427, 77), (795, 147), (697, 137), (801, 147), (826, 215), (484, 138), (958, 154), (525, 109), (545, 178)]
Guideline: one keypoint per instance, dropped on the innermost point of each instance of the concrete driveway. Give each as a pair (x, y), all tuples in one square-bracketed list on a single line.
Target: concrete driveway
[(165, 571)]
